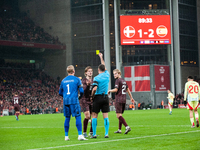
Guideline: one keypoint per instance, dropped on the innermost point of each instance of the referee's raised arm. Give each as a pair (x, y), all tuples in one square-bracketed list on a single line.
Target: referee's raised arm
[(102, 61), (100, 97)]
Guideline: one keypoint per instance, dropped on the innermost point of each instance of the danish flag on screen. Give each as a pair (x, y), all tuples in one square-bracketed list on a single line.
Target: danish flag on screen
[(137, 78)]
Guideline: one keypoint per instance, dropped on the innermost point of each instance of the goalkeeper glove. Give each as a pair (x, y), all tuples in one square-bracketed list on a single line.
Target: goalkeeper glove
[(185, 103), (81, 94)]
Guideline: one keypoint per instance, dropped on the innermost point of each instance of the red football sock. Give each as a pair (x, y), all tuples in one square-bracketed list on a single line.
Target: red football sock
[(120, 124), (91, 128), (85, 124), (122, 120), (17, 114)]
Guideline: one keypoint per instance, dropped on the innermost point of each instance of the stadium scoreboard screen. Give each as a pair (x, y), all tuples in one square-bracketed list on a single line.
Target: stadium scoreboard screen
[(145, 29)]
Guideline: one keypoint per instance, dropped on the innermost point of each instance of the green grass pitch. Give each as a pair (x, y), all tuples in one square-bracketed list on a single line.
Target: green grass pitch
[(151, 129)]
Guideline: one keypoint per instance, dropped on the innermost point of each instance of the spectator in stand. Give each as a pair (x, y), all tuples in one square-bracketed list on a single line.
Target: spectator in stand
[(1, 108), (22, 28), (142, 105), (149, 105), (179, 98), (37, 91)]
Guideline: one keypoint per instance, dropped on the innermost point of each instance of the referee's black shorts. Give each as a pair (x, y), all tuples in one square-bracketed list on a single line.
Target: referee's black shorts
[(101, 102)]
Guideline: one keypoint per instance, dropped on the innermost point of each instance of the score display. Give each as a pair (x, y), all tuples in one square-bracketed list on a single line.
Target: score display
[(145, 29)]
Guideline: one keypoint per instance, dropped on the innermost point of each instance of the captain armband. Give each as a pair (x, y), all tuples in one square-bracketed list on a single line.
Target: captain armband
[(80, 86), (95, 83)]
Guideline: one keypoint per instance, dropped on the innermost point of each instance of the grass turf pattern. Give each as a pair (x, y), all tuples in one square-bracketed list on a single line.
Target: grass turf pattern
[(151, 129)]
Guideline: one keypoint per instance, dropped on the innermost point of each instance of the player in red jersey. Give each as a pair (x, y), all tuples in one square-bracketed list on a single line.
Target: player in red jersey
[(86, 104), (16, 102), (1, 108), (120, 99)]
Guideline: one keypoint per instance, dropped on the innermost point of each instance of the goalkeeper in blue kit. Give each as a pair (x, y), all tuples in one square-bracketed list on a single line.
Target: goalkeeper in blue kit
[(69, 90)]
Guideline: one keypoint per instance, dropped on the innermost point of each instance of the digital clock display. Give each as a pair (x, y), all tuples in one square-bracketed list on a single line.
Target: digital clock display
[(145, 29)]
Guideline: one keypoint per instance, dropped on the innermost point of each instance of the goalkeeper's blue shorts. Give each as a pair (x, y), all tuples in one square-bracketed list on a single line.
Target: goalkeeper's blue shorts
[(73, 109)]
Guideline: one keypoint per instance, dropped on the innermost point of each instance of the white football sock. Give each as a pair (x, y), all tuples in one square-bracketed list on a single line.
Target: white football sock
[(197, 116), (192, 121)]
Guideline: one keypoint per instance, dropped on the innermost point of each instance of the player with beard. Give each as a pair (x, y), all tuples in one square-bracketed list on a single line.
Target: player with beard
[(16, 102), (86, 104), (120, 99)]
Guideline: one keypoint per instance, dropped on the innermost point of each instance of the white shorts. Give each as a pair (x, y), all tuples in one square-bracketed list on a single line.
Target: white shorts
[(170, 104), (193, 105)]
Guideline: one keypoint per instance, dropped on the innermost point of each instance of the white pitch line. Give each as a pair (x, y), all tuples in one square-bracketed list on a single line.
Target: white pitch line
[(102, 126), (27, 127), (142, 137)]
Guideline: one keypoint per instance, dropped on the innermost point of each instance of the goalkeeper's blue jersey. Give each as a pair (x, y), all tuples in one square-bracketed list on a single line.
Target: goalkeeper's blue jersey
[(69, 89)]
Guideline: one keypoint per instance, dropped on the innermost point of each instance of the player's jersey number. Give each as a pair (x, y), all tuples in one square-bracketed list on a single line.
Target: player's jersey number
[(16, 101), (193, 89), (68, 92), (123, 89)]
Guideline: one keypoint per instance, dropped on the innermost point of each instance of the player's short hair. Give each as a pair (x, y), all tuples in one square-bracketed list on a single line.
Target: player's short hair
[(16, 93), (87, 68), (102, 67), (117, 70), (190, 77), (70, 69)]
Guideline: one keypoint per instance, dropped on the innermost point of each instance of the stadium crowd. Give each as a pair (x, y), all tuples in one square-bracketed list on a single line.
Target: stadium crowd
[(38, 91), (21, 28), (179, 99)]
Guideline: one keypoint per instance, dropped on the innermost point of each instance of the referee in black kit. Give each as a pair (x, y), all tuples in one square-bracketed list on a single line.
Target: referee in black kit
[(100, 94)]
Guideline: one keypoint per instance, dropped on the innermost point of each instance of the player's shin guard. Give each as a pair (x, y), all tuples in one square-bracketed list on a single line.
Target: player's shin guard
[(94, 125), (79, 125), (106, 124), (66, 125)]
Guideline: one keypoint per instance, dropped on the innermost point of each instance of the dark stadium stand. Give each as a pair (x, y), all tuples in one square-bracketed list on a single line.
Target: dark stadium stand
[(37, 90), (179, 98), (18, 30), (21, 39), (22, 28)]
